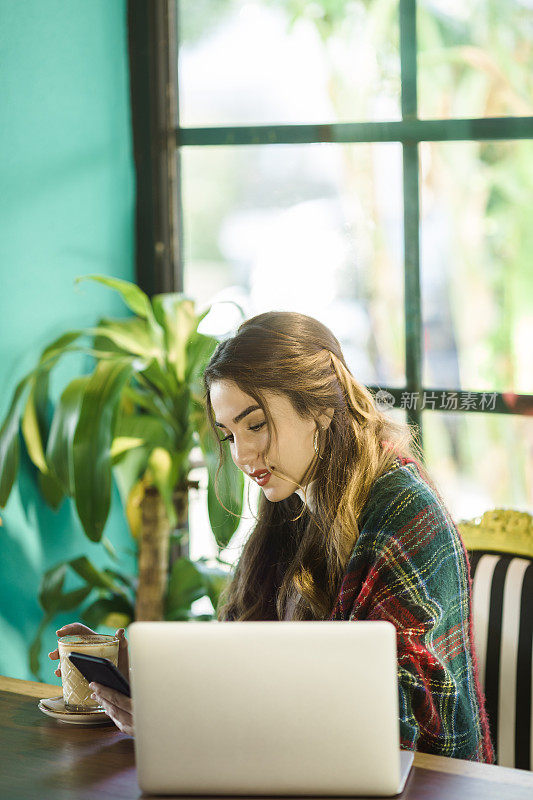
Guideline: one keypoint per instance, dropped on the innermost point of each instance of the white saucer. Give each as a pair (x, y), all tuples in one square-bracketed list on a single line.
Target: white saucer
[(55, 707)]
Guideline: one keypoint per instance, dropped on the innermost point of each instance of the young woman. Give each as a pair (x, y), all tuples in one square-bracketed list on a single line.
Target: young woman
[(349, 527)]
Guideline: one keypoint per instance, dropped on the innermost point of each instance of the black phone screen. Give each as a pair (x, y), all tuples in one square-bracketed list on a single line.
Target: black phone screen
[(100, 670)]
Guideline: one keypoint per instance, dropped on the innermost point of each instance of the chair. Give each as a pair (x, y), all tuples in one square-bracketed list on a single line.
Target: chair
[(500, 549)]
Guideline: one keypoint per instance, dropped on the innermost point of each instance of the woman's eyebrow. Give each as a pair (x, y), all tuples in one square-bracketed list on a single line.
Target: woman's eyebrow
[(239, 416)]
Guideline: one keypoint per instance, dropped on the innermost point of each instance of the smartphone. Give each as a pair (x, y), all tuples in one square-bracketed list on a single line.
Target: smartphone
[(100, 670)]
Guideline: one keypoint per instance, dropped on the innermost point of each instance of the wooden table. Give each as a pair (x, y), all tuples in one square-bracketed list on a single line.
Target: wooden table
[(49, 760)]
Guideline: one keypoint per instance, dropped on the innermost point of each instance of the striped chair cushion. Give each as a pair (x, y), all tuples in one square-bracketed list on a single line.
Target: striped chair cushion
[(502, 600)]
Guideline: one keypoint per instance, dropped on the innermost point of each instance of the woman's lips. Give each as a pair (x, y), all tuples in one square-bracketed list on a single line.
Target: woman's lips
[(261, 480)]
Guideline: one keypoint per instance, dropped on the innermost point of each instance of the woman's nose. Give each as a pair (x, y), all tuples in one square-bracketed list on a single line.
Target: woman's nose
[(244, 455)]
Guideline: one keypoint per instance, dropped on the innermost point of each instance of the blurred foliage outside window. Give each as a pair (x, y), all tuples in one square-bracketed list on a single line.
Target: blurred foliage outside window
[(317, 228)]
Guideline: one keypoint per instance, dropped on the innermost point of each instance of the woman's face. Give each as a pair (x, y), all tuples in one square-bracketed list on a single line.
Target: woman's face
[(242, 423)]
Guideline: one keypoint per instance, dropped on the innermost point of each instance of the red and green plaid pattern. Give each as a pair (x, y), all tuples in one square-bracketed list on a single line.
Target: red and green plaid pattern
[(410, 567)]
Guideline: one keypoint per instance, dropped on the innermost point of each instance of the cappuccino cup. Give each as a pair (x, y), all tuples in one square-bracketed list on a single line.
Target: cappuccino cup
[(76, 690)]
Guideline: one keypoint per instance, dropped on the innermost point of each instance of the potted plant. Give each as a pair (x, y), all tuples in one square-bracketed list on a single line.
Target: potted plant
[(136, 417)]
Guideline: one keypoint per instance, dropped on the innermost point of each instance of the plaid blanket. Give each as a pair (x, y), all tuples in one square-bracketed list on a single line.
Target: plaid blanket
[(410, 567)]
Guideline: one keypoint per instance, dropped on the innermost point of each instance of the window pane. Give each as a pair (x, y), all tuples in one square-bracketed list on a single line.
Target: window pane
[(475, 58), (477, 281), (312, 228), (259, 61), (480, 461)]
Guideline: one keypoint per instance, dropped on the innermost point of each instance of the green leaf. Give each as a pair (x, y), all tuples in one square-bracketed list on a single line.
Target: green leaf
[(92, 444), (215, 579), (50, 489), (9, 443), (50, 587), (176, 315), (34, 649), (131, 336), (110, 549), (96, 614), (59, 452), (55, 350), (129, 469), (150, 429), (99, 579), (130, 581), (200, 348), (142, 398), (123, 444), (185, 585), (34, 420), (161, 380), (229, 483), (134, 297), (228, 479), (51, 596), (71, 600), (155, 395)]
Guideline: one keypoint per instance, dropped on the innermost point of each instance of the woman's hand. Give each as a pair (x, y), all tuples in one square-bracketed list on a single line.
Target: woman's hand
[(116, 704)]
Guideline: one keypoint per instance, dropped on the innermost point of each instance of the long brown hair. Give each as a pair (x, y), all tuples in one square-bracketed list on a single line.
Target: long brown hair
[(292, 551)]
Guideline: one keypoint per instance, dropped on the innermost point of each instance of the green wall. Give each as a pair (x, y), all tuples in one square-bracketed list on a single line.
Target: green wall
[(66, 209)]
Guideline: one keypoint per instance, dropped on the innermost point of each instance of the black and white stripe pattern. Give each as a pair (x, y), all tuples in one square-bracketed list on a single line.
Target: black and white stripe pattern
[(502, 606)]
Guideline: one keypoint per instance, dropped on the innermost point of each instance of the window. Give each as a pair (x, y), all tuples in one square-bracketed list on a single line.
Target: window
[(371, 164)]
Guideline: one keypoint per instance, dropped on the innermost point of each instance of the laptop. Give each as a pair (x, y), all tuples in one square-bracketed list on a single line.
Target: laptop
[(267, 708)]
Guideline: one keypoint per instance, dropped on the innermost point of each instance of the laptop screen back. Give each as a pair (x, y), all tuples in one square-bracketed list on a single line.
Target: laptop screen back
[(265, 707)]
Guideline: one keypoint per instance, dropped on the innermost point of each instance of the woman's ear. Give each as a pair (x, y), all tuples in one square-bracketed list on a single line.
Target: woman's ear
[(324, 419)]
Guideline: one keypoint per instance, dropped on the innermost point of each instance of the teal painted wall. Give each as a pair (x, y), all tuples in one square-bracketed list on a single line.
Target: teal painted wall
[(66, 209)]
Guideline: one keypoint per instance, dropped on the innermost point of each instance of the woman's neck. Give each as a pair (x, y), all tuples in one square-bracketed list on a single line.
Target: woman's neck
[(308, 495)]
